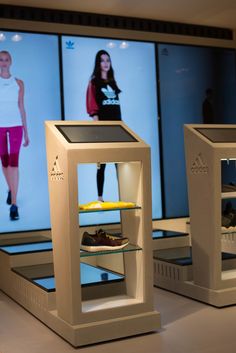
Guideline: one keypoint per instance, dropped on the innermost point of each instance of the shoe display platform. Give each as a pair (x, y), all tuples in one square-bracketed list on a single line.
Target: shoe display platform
[(27, 274), (173, 270), (43, 275)]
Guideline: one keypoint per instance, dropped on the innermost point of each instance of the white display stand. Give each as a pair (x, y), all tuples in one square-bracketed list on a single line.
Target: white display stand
[(130, 313), (208, 278), (87, 313)]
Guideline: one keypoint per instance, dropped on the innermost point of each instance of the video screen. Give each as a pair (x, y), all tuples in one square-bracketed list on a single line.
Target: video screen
[(110, 80), (197, 85), (219, 135), (95, 133), (29, 95)]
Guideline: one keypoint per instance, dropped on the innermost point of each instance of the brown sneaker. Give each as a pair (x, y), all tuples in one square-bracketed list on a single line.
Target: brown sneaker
[(101, 241)]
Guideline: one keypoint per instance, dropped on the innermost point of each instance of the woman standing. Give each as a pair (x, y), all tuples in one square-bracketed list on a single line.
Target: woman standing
[(12, 128), (103, 101)]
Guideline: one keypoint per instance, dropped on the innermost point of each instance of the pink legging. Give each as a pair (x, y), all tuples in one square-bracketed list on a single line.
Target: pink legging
[(10, 156)]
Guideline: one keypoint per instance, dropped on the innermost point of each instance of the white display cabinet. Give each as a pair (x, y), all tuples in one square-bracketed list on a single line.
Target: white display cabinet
[(207, 270), (123, 314)]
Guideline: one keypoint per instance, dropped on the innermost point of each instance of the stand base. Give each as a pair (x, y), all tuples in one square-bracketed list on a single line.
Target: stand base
[(131, 319), (95, 332), (179, 280)]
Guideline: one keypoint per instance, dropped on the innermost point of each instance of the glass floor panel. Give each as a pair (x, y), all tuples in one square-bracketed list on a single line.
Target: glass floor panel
[(89, 275), (165, 234), (185, 256), (27, 248)]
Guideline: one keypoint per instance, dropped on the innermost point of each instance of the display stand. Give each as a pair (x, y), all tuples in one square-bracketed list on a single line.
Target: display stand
[(79, 294), (207, 270), (131, 312)]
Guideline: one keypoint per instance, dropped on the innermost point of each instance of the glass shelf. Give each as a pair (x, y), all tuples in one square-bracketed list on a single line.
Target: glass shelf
[(47, 246), (89, 275), (228, 195), (165, 234), (111, 209), (127, 248), (230, 230), (27, 248)]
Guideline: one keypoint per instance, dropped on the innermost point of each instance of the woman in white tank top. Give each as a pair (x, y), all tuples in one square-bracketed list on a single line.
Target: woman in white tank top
[(12, 128)]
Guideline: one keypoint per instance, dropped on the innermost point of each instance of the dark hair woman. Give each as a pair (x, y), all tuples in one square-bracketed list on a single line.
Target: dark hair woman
[(102, 101)]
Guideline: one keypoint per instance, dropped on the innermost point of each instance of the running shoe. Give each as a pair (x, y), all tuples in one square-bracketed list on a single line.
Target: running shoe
[(14, 215), (101, 241)]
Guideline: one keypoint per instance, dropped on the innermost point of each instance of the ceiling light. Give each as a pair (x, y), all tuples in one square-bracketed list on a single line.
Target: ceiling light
[(16, 38), (111, 45), (124, 45), (2, 37)]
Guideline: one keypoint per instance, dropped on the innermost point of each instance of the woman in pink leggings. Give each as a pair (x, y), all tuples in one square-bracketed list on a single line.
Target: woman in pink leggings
[(12, 128)]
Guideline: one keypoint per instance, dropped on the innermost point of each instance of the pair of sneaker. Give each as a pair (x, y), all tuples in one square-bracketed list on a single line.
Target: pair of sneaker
[(14, 215), (101, 240)]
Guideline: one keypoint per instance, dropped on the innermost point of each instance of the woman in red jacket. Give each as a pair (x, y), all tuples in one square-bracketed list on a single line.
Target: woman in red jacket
[(103, 101)]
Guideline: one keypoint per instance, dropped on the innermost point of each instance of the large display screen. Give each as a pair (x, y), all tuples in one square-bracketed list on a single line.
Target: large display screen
[(197, 85), (29, 62), (128, 93)]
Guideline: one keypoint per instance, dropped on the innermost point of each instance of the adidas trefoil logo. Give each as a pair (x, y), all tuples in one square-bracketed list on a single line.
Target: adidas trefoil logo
[(70, 45), (165, 52), (109, 92), (56, 173), (198, 166)]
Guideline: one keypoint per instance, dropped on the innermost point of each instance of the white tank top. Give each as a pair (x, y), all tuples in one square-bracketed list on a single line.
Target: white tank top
[(9, 110)]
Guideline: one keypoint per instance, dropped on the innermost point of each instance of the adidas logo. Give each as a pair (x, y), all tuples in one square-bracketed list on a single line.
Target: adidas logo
[(110, 102), (56, 172), (70, 45), (109, 92), (198, 166), (165, 52)]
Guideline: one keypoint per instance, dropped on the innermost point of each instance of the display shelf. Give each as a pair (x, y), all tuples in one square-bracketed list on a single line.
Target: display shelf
[(47, 246), (230, 230), (24, 240), (26, 248), (128, 248), (183, 256), (90, 275), (228, 274), (109, 303), (228, 195), (165, 234), (111, 209)]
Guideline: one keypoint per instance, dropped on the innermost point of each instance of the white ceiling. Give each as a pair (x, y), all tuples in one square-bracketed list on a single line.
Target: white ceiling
[(221, 13)]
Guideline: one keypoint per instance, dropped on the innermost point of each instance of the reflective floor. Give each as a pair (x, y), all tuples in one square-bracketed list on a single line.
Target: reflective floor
[(187, 326)]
